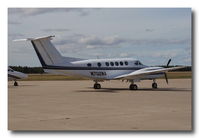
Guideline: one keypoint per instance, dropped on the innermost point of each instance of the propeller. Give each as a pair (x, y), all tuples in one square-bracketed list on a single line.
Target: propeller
[(168, 62), (165, 75)]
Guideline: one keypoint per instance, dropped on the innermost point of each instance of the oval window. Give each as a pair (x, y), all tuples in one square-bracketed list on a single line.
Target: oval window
[(99, 64), (121, 63), (107, 64)]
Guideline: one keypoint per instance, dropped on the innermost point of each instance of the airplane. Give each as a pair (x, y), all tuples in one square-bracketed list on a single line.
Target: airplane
[(97, 70), (15, 75)]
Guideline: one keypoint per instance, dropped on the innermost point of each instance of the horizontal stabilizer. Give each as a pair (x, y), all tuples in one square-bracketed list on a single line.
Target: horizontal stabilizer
[(47, 53), (37, 38)]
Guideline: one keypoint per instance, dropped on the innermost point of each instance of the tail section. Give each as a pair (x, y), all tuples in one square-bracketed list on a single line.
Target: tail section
[(47, 53)]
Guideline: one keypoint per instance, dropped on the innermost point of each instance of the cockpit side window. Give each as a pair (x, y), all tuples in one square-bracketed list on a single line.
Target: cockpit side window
[(140, 63), (136, 63)]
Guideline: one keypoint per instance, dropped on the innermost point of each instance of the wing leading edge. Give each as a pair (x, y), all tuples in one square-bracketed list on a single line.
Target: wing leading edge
[(146, 71)]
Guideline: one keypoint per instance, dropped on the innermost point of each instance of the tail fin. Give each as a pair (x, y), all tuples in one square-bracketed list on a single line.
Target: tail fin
[(46, 52)]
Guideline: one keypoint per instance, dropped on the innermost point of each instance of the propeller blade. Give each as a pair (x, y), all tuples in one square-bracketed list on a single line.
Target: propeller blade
[(168, 62), (166, 78)]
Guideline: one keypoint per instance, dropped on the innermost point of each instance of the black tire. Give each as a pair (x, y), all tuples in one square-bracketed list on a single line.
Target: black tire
[(97, 86), (154, 85), (15, 83), (133, 87)]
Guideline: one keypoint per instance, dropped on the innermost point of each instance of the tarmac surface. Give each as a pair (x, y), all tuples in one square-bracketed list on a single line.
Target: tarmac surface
[(75, 105)]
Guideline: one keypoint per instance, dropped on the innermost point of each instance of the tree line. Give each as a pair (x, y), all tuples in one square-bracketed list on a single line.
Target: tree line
[(187, 68), (28, 70)]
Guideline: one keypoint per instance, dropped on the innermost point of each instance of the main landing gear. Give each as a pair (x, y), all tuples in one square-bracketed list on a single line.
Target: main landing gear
[(154, 85), (97, 86), (15, 83), (131, 87), (135, 87)]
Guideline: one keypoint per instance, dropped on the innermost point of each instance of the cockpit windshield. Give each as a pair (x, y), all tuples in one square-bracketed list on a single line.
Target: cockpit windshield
[(9, 69), (138, 63)]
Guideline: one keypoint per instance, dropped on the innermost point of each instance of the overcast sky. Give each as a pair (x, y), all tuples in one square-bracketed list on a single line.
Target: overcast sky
[(150, 35)]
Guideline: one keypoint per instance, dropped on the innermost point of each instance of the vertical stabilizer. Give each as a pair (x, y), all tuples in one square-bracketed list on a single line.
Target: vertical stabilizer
[(47, 53)]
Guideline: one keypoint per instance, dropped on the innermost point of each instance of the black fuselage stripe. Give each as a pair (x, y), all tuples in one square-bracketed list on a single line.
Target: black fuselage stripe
[(89, 68)]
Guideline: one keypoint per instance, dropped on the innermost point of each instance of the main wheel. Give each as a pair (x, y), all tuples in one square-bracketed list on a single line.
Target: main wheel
[(15, 83), (97, 86), (133, 87), (154, 85)]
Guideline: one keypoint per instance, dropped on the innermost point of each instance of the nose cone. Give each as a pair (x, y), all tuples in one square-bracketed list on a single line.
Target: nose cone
[(23, 76)]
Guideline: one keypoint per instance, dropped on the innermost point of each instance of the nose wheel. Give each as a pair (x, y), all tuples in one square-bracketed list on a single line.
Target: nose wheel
[(154, 85), (97, 86), (15, 83), (133, 87)]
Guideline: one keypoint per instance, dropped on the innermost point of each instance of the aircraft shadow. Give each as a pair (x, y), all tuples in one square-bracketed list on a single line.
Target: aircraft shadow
[(12, 86), (99, 90), (117, 90)]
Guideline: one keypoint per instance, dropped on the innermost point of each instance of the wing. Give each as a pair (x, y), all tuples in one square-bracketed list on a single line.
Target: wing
[(146, 71)]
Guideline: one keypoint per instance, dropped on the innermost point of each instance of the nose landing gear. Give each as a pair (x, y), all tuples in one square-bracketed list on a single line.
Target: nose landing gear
[(154, 85), (15, 83)]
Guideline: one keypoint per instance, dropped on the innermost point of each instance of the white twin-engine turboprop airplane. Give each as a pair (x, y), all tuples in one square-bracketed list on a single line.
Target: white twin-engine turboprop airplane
[(95, 69), (15, 75)]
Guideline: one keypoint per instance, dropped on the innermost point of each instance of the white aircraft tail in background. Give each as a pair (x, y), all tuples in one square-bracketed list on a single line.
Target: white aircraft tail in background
[(15, 75), (96, 69)]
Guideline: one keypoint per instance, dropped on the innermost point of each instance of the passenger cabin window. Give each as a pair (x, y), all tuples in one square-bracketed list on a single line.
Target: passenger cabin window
[(121, 63), (116, 63), (112, 64), (107, 64), (89, 64), (99, 64), (126, 63)]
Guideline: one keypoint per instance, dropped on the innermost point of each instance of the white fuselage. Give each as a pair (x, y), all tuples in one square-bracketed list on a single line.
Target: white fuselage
[(15, 75), (100, 69)]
